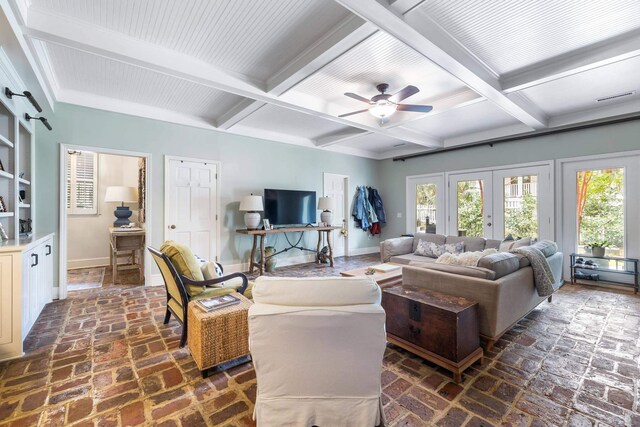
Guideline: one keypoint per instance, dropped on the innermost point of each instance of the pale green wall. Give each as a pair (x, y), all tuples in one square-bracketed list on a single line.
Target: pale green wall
[(248, 165), (604, 139)]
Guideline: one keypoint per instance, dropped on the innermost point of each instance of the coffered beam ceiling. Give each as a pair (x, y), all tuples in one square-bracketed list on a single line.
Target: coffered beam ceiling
[(112, 45), (418, 31)]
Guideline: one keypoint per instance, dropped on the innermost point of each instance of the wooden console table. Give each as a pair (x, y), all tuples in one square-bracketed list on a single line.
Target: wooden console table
[(262, 233)]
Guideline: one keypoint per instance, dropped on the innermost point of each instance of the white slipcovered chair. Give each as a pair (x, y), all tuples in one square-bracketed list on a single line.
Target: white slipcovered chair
[(317, 346)]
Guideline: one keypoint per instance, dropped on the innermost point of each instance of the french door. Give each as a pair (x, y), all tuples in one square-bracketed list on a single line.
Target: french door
[(425, 204), (502, 202)]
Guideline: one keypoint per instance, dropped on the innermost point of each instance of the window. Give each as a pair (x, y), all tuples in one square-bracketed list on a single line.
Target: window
[(82, 183), (426, 208), (600, 209), (471, 208)]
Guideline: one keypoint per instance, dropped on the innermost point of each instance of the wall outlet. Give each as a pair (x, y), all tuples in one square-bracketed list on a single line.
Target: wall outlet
[(399, 215)]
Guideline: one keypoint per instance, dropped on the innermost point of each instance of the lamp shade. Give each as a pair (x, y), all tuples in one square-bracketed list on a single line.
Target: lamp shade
[(251, 203), (325, 203), (121, 194)]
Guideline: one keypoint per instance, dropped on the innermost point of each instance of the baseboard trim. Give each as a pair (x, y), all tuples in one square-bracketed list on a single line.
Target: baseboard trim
[(156, 280), (87, 263), (365, 251)]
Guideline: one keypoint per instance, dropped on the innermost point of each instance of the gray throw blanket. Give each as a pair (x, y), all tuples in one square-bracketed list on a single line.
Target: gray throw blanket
[(542, 275)]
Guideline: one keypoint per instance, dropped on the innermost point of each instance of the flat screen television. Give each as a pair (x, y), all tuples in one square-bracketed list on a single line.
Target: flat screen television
[(289, 207)]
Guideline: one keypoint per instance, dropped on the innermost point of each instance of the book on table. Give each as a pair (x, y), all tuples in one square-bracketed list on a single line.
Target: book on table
[(214, 303), (385, 268)]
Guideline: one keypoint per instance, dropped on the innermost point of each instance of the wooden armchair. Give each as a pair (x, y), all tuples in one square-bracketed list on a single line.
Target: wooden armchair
[(177, 287)]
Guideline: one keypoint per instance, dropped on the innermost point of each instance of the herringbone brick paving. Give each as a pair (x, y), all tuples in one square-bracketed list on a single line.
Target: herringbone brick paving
[(103, 358)]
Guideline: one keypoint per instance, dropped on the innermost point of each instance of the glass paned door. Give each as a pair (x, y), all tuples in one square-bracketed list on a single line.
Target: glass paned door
[(470, 204), (523, 206), (600, 210), (425, 204)]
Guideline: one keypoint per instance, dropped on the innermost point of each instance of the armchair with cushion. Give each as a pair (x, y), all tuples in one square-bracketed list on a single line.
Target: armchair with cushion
[(184, 281), (317, 346)]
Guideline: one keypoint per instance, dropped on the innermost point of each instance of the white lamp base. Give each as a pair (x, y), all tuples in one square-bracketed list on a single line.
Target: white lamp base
[(252, 220), (326, 217)]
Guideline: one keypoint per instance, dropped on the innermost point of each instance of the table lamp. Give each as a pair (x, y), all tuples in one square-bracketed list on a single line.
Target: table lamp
[(251, 205), (121, 195), (325, 204)]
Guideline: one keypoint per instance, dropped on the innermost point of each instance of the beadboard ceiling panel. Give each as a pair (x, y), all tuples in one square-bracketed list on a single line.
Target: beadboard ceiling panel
[(379, 59), (580, 91), (473, 118), (509, 35), (290, 122), (377, 143), (256, 38), (84, 72)]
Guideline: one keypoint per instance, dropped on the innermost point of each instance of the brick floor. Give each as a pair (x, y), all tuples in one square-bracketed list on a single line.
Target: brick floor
[(103, 358)]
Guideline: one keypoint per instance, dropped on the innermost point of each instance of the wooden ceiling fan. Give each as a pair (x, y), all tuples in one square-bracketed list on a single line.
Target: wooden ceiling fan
[(383, 105)]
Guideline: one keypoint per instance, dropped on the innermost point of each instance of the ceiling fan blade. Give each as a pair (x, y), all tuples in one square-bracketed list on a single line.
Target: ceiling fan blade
[(353, 112), (415, 108), (404, 93), (357, 97)]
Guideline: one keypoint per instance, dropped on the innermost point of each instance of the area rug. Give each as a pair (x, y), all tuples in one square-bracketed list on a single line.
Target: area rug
[(85, 278)]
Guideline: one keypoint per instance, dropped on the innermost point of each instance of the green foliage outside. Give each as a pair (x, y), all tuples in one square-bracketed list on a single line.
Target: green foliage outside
[(470, 208), (523, 221), (603, 212), (425, 196)]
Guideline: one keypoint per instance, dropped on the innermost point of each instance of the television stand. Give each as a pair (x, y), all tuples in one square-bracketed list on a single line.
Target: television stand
[(261, 234)]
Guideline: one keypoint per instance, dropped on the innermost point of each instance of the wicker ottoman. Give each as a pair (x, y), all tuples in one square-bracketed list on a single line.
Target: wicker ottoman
[(218, 336)]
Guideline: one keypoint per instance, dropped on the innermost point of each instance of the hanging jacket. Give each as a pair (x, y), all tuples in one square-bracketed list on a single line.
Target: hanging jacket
[(359, 211), (376, 202)]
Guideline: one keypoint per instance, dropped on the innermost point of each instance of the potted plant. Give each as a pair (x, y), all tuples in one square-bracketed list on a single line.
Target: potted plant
[(598, 247)]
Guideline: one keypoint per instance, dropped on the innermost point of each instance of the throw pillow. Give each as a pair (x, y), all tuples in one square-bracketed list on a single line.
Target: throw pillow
[(468, 259), (211, 270), (433, 250), (182, 259), (506, 244), (526, 241)]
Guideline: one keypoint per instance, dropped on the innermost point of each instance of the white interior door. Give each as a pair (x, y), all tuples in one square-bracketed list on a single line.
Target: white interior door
[(425, 204), (191, 205), (337, 187), (470, 204)]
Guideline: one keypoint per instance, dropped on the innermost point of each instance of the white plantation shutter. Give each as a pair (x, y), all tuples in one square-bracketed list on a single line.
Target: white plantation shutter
[(82, 182)]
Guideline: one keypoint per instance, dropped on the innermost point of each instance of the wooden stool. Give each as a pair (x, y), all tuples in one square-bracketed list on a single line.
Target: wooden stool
[(129, 244)]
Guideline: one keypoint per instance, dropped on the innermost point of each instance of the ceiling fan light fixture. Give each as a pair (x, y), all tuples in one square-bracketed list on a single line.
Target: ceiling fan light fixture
[(382, 109)]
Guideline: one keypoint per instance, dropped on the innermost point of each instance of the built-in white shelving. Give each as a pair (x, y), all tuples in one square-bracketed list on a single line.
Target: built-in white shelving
[(5, 141), (6, 214), (6, 174), (24, 181)]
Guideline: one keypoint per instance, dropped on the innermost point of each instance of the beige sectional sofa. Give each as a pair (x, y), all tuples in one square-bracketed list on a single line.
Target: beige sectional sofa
[(502, 284)]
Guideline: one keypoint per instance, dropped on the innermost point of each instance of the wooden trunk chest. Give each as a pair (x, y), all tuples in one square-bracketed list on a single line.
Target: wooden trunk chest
[(438, 327)]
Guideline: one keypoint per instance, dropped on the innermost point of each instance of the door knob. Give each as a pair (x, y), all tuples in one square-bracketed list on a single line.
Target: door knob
[(172, 227), (489, 224)]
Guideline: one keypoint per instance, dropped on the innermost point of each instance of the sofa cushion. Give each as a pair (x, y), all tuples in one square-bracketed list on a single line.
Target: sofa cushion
[(502, 263), (471, 244), (435, 238), (407, 258), (547, 247), (397, 246), (478, 272), (523, 261), (433, 250), (492, 244), (183, 259), (525, 241), (316, 291)]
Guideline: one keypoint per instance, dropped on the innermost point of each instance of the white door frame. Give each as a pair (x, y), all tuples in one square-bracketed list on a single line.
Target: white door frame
[(347, 192), (62, 260), (216, 226), (441, 200)]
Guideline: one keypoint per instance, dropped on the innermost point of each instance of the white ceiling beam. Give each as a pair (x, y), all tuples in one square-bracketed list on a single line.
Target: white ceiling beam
[(338, 137), (344, 37), (239, 112), (579, 61), (98, 41), (418, 31)]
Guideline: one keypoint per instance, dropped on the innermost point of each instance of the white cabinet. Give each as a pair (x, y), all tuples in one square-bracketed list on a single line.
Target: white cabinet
[(26, 286)]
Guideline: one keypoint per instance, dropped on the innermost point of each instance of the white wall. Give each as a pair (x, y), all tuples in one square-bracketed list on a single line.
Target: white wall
[(88, 235)]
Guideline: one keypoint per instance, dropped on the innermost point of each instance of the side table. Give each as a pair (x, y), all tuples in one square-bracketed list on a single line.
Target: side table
[(219, 336)]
